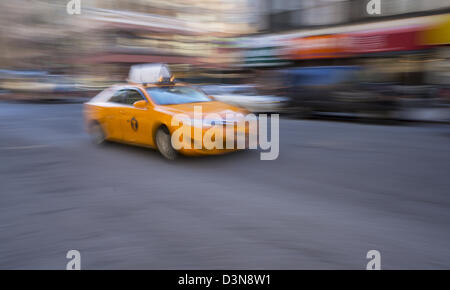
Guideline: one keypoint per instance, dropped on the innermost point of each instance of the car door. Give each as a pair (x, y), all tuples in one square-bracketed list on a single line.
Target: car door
[(135, 122), (113, 117)]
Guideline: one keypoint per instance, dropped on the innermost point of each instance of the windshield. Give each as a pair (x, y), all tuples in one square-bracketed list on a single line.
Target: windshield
[(172, 95), (230, 90)]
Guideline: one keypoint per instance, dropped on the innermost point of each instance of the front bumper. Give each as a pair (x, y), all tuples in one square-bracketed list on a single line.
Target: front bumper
[(229, 140)]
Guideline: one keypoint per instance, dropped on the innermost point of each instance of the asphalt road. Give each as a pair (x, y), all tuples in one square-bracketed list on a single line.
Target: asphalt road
[(337, 190)]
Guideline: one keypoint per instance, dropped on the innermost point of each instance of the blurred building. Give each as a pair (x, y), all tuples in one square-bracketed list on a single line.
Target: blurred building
[(395, 46), (282, 15), (108, 36), (192, 36), (226, 40)]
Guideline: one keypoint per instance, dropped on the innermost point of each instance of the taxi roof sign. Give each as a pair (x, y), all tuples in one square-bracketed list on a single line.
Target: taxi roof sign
[(149, 73)]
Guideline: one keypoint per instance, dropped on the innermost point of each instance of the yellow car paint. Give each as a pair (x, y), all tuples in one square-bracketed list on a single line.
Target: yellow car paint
[(137, 124)]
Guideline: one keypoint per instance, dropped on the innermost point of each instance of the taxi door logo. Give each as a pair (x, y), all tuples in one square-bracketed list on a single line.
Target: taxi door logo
[(134, 124)]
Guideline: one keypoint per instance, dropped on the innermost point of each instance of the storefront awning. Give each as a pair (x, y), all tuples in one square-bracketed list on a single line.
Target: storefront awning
[(439, 34), (321, 46)]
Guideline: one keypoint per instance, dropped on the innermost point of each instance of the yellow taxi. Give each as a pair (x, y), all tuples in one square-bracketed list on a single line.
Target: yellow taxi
[(151, 108)]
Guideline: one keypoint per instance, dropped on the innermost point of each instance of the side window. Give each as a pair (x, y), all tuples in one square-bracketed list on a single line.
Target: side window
[(132, 96), (118, 97)]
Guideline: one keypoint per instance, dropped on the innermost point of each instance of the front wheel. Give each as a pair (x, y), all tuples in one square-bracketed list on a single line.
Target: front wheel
[(164, 144)]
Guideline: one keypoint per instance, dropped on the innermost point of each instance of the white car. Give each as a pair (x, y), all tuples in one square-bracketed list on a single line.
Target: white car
[(245, 96)]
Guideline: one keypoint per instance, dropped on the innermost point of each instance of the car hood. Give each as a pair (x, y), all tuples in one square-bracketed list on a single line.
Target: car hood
[(207, 107)]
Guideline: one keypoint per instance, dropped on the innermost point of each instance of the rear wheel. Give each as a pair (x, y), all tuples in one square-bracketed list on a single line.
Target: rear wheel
[(164, 144), (96, 134)]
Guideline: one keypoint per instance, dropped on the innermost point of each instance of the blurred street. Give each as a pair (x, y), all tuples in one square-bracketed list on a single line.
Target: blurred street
[(337, 190)]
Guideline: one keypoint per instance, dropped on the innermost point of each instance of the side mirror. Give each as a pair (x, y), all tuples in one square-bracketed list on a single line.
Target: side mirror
[(142, 104), (212, 98)]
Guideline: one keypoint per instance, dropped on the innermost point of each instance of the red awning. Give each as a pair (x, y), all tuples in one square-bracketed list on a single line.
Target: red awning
[(405, 39)]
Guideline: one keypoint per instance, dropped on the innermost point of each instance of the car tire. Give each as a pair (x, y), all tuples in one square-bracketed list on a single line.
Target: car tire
[(164, 144), (97, 134)]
